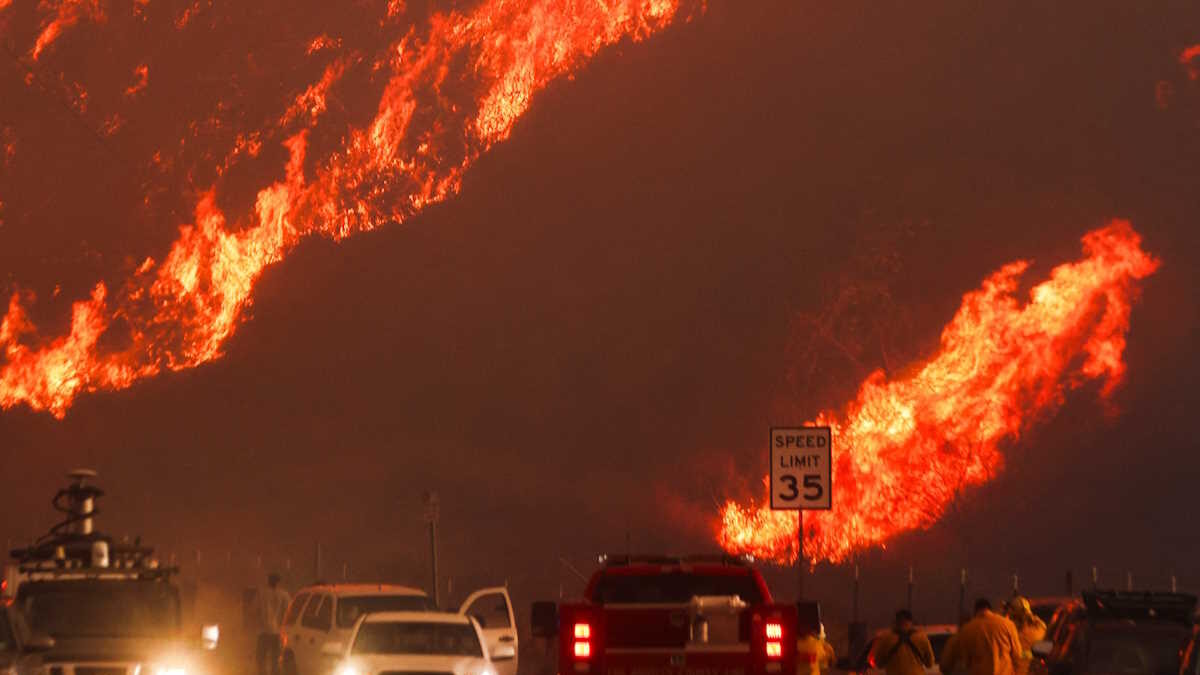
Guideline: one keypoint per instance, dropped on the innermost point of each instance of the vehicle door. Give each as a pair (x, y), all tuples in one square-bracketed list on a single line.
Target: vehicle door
[(493, 609), (289, 632), (315, 625)]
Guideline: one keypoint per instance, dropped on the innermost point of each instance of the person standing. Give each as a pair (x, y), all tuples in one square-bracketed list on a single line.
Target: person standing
[(903, 650), (988, 644), (273, 603), (809, 653), (814, 654), (1030, 629)]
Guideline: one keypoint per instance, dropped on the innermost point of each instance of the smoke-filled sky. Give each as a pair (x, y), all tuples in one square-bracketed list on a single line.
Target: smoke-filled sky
[(588, 340)]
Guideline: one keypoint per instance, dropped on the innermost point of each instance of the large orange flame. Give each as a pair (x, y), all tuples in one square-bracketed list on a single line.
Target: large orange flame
[(177, 312), (904, 449)]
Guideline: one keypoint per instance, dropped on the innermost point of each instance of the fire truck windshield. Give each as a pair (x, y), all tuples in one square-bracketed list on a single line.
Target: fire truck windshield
[(673, 588), (91, 609)]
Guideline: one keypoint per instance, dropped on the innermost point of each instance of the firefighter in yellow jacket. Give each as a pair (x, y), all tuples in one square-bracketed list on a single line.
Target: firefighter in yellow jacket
[(903, 650), (814, 655), (986, 645), (1030, 629)]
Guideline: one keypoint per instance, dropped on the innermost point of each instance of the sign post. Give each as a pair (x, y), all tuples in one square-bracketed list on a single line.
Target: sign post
[(801, 478)]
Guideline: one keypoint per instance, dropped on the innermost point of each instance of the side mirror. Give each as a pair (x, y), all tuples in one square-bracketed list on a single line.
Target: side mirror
[(332, 649), (210, 635), (1042, 649), (39, 642), (504, 652), (544, 620)]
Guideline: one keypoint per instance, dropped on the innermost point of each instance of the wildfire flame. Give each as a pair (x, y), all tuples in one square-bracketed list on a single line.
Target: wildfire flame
[(904, 449), (453, 91)]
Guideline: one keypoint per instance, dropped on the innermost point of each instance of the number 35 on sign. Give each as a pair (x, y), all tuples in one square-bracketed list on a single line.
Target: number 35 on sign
[(801, 468)]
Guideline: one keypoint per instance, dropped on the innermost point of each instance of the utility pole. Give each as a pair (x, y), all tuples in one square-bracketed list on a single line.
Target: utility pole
[(431, 516)]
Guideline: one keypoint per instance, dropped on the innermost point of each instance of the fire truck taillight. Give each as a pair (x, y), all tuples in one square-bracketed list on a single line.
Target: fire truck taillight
[(774, 646), (583, 641)]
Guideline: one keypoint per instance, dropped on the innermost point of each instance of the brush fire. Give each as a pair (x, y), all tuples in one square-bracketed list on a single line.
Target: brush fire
[(452, 91), (907, 447)]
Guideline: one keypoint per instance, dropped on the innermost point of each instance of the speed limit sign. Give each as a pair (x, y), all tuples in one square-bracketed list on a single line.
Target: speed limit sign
[(801, 468)]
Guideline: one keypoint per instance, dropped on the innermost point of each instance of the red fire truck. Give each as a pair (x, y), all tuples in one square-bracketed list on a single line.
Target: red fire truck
[(698, 615)]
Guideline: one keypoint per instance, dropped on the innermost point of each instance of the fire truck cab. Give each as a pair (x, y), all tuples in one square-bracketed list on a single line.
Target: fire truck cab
[(656, 615), (93, 606)]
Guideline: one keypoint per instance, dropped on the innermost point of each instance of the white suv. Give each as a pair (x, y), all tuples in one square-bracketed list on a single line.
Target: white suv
[(323, 616)]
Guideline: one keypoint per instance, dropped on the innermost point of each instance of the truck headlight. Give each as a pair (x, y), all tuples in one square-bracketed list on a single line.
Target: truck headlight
[(348, 669)]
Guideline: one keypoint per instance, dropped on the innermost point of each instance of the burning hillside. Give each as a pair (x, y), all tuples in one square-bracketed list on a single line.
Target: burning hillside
[(904, 449)]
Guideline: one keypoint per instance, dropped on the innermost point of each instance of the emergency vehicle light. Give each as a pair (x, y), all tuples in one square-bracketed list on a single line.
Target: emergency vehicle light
[(774, 646), (582, 647)]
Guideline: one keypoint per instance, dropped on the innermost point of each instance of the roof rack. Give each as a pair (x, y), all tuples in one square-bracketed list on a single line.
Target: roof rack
[(1146, 606), (73, 549), (625, 559)]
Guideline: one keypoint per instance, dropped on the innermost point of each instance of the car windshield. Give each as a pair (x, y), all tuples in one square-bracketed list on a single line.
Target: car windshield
[(411, 637), (1134, 652), (352, 607), (675, 588), (101, 608)]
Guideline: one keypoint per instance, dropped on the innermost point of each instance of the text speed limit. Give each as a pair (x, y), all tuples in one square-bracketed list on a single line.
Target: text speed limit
[(801, 468)]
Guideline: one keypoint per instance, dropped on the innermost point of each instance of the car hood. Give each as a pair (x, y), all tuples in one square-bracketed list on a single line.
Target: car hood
[(142, 650), (414, 663)]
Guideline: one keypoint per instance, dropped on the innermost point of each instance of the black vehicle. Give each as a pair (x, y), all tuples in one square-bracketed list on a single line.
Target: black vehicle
[(1118, 633), (92, 606)]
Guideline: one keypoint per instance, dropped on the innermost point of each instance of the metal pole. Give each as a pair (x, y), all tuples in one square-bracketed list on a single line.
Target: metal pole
[(1129, 581), (432, 506), (317, 563), (1174, 584), (800, 560), (437, 601), (855, 593), (909, 606), (1095, 577), (962, 595)]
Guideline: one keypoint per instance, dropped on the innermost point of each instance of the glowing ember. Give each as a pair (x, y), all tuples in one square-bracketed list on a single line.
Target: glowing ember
[(452, 93), (905, 449), (141, 76), (1190, 57), (67, 13)]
